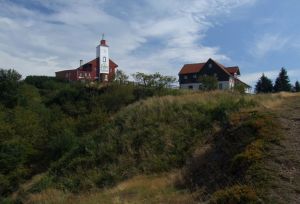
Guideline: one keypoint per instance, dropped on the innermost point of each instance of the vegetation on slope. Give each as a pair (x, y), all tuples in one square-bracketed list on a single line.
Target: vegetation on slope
[(86, 137), (149, 136), (42, 119)]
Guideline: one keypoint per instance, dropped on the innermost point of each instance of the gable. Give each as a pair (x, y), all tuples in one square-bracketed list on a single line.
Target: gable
[(213, 68)]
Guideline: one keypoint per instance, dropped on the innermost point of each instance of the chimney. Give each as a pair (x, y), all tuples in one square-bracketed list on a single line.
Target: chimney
[(80, 63)]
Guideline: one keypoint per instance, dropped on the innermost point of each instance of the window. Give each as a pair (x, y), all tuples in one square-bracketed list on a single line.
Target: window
[(210, 65), (194, 76), (220, 86), (185, 77), (104, 59), (190, 87)]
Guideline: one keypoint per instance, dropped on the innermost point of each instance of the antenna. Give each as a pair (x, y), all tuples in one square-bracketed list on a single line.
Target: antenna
[(102, 36)]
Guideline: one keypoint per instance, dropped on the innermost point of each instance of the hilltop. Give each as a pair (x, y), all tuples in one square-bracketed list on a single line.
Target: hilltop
[(125, 143)]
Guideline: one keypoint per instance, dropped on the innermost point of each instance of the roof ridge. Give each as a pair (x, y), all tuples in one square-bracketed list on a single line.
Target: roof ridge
[(221, 66)]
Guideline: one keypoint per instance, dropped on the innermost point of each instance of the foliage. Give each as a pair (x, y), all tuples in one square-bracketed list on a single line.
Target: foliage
[(120, 76), (156, 80), (208, 83), (43, 119), (87, 137), (131, 143), (9, 87), (282, 82), (240, 88), (235, 195), (234, 158), (264, 85)]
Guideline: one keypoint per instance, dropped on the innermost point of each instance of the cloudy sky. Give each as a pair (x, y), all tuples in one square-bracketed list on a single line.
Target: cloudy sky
[(39, 37)]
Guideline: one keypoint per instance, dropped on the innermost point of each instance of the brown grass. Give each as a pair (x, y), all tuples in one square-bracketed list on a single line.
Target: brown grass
[(140, 189), (273, 101)]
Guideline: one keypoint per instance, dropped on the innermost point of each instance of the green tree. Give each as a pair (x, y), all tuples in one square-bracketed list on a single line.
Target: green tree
[(9, 79), (208, 83), (264, 85), (120, 76), (282, 82), (297, 86), (156, 79)]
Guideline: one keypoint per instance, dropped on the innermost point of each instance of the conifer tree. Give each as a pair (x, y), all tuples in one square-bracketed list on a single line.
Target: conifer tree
[(264, 85), (282, 82), (297, 86)]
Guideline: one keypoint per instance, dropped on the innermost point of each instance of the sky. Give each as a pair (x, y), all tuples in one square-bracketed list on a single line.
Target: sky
[(39, 37)]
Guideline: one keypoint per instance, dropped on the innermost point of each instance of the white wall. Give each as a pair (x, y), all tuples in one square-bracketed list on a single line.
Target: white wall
[(102, 53), (194, 85), (225, 85)]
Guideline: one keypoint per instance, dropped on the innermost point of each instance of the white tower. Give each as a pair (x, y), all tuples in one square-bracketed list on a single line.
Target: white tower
[(102, 54)]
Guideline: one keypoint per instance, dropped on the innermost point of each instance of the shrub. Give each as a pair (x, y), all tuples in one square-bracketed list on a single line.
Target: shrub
[(235, 195)]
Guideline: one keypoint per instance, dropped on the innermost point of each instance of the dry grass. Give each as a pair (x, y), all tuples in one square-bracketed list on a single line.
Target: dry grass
[(273, 101), (140, 189)]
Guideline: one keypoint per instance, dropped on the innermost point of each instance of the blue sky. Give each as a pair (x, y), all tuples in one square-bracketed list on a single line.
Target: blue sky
[(39, 37)]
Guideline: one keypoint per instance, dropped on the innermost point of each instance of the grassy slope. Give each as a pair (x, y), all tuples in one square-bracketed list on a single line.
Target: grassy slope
[(159, 188)]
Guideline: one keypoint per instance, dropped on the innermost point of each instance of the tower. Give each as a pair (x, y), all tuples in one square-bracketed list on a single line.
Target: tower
[(102, 54)]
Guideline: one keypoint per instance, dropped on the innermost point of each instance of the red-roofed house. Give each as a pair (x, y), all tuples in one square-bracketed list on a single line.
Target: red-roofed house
[(227, 76), (101, 68)]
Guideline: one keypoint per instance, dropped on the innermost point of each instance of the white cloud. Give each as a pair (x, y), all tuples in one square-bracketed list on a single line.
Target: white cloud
[(55, 37), (269, 43)]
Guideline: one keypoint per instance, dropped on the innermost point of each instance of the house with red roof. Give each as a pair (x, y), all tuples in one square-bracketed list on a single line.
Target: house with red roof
[(102, 68), (227, 76)]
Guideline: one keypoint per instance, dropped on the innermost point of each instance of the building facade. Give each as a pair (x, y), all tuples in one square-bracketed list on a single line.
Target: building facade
[(99, 69), (227, 76)]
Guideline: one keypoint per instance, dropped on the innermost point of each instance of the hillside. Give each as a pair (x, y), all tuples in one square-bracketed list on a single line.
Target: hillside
[(129, 144), (268, 154)]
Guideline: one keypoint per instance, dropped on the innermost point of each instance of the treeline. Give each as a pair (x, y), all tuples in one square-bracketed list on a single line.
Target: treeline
[(282, 83), (42, 118)]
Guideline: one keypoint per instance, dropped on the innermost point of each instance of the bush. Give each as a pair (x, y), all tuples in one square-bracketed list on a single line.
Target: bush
[(235, 195)]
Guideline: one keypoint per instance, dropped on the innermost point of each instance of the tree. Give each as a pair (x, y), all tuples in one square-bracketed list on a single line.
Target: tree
[(297, 86), (282, 82), (9, 75), (9, 79), (208, 83), (240, 88), (156, 80), (264, 85), (120, 76)]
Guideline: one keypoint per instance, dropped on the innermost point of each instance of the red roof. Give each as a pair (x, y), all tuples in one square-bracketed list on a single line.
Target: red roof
[(233, 70), (194, 68), (191, 68)]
